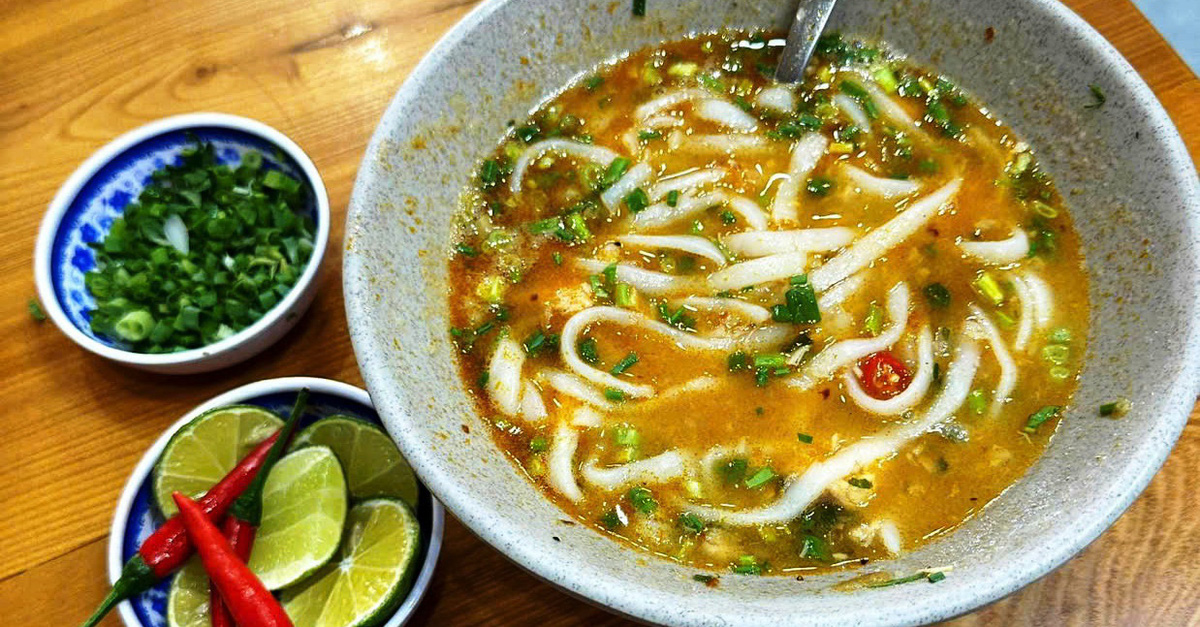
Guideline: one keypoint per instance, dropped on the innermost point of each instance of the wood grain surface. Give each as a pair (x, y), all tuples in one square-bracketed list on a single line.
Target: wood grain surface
[(75, 73)]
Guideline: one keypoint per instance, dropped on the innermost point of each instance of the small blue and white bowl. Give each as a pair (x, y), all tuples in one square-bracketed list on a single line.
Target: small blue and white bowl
[(100, 189), (136, 517)]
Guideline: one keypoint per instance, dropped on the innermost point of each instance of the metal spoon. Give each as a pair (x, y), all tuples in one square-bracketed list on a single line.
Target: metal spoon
[(810, 19)]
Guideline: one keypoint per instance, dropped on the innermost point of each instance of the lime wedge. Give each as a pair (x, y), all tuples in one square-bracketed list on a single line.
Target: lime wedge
[(374, 467), (372, 576), (204, 450), (187, 602), (304, 508)]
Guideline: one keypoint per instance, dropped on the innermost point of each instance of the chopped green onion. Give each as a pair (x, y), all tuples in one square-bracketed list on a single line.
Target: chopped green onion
[(539, 341), (490, 173), (1040, 416), (642, 500), (649, 135), (738, 361), (1098, 97), (465, 250), (615, 171), (886, 79), (711, 83), (805, 438), (639, 8), (747, 565), (625, 364), (578, 226), (1059, 373), (673, 198), (815, 548), (977, 401), (134, 326), (613, 395), (770, 360), (35, 310), (728, 217), (1061, 335), (733, 470), (626, 436), (937, 295), (691, 522), (678, 318), (611, 519), (1117, 408), (873, 323), (557, 258), (1057, 354), (1043, 209), (856, 91), (623, 295), (587, 350), (593, 83), (637, 200), (819, 185), (936, 576), (800, 303), (539, 444), (989, 288), (760, 478)]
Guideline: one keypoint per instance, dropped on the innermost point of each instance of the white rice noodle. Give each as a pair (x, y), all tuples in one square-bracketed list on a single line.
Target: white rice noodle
[(802, 490), (1043, 300), (575, 387), (1028, 311), (841, 354), (777, 98), (986, 330), (889, 535), (725, 144), (870, 247), (646, 281), (999, 252), (587, 418), (560, 462), (634, 178), (853, 110), (690, 244), (749, 311), (658, 469), (504, 375), (805, 155), (669, 101), (579, 150), (661, 214), (749, 210), (533, 408), (661, 121), (630, 141), (913, 394), (759, 244), (759, 271), (575, 326), (685, 181), (726, 114), (836, 295), (878, 185), (891, 110)]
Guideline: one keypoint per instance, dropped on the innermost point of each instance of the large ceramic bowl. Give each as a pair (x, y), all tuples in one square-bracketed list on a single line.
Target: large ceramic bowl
[(1130, 184)]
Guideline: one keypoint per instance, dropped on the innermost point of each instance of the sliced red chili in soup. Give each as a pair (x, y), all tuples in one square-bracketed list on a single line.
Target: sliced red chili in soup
[(883, 375)]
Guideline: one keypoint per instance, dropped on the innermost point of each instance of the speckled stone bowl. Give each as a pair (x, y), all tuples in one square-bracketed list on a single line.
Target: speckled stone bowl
[(1129, 182)]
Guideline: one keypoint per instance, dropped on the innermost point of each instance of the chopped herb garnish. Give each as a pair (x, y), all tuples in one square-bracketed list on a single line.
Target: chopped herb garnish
[(800, 303), (860, 482), (35, 310), (760, 478), (623, 296), (466, 250), (625, 364), (557, 258), (587, 350), (738, 361), (813, 547), (977, 401), (639, 8), (805, 438), (673, 198), (642, 500), (989, 288), (637, 200), (762, 376), (936, 577), (931, 577), (937, 295), (1098, 97), (611, 520), (613, 395), (705, 579), (593, 83), (691, 522), (539, 341), (1117, 408), (711, 82), (615, 171), (490, 173), (748, 565), (677, 318), (649, 135), (770, 360), (734, 470), (728, 217), (856, 91), (538, 444), (819, 186), (1040, 416)]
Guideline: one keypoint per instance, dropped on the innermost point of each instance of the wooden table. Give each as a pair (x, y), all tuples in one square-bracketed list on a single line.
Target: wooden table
[(75, 73)]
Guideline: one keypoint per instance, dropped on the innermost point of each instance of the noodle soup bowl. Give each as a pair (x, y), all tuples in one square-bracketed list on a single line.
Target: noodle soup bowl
[(1129, 183)]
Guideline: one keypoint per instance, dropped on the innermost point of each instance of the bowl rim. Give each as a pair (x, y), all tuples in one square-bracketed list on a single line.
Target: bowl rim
[(52, 220), (948, 601), (237, 395)]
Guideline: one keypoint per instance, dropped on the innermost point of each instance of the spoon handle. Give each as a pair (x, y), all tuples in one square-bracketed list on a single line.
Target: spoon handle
[(810, 19)]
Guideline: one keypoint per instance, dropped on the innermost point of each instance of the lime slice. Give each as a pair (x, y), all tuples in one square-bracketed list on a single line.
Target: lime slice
[(204, 450), (304, 508), (373, 575), (187, 602), (374, 467)]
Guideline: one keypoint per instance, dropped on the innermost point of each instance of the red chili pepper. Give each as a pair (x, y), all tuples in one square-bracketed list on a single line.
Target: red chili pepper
[(883, 375), (168, 547), (245, 514), (248, 600)]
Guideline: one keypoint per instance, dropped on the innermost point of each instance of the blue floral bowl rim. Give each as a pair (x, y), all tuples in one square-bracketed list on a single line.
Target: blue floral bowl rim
[(43, 249), (239, 395)]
